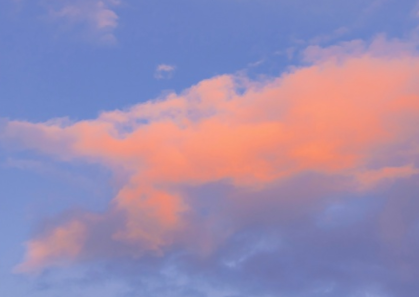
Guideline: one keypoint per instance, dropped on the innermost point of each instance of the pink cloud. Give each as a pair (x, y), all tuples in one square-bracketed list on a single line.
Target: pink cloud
[(373, 177), (333, 118), (63, 244)]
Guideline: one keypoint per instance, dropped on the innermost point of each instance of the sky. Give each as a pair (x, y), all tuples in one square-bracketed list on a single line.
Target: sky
[(196, 148)]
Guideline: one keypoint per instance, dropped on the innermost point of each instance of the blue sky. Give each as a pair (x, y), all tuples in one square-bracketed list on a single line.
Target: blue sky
[(60, 67), (68, 68)]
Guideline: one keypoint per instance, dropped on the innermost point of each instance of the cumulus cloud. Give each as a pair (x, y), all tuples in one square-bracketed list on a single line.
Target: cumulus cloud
[(238, 175), (164, 71)]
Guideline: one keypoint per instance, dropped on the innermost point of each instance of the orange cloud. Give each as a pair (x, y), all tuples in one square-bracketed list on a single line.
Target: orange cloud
[(371, 178), (335, 117), (64, 243)]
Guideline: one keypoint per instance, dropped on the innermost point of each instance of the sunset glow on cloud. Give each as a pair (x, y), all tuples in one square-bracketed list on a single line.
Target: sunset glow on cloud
[(253, 182), (355, 118)]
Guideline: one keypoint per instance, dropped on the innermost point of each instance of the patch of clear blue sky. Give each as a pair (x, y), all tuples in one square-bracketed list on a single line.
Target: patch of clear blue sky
[(48, 70)]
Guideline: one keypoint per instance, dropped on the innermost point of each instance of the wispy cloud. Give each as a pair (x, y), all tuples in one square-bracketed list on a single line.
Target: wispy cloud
[(97, 16), (164, 71)]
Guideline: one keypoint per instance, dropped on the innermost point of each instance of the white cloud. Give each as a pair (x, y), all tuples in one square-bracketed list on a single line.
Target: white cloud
[(164, 71)]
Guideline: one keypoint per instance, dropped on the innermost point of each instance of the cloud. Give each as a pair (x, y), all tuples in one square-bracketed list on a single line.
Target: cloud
[(64, 244), (164, 71), (380, 46), (241, 173), (98, 16), (373, 177)]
